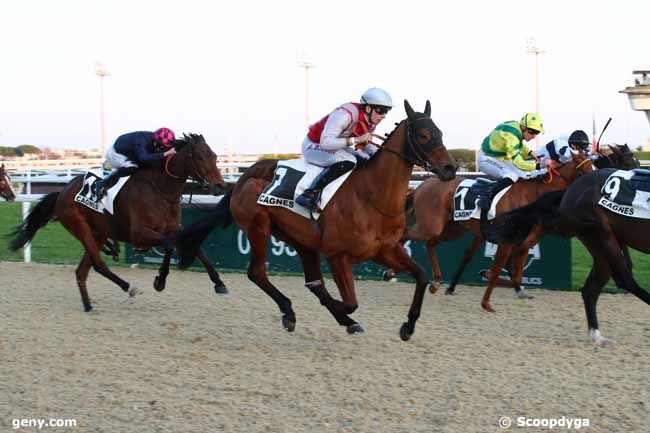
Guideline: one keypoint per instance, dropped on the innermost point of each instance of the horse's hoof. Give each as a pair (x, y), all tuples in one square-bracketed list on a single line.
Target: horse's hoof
[(524, 295), (133, 291), (433, 286), (88, 308), (405, 332), (450, 291), (289, 325), (158, 284), (388, 275), (487, 307), (355, 329), (221, 290), (604, 342)]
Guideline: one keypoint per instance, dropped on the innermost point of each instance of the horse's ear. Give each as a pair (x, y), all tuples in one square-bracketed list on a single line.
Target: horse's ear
[(409, 111), (427, 109)]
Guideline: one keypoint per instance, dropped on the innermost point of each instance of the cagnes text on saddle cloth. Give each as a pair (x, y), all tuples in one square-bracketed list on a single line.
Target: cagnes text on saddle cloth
[(291, 178)]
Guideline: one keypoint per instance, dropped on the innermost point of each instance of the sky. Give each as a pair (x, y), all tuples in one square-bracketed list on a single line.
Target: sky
[(229, 70)]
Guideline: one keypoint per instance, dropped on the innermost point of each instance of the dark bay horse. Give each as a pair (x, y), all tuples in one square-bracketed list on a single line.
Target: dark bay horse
[(433, 208), (147, 213), (6, 188), (363, 221), (576, 212)]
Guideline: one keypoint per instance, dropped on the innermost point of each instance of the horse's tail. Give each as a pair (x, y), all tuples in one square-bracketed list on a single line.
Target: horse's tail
[(189, 240), (38, 217), (515, 226)]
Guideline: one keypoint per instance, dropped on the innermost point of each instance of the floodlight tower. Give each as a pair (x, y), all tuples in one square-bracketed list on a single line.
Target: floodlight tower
[(101, 72), (532, 48)]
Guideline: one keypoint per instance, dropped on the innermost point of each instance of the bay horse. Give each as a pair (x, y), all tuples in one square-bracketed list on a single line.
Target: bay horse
[(433, 208), (147, 213), (363, 221), (576, 212), (6, 188)]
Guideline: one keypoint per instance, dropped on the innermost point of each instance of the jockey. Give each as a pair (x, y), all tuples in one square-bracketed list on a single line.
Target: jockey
[(503, 151), (560, 149), (134, 149), (330, 142)]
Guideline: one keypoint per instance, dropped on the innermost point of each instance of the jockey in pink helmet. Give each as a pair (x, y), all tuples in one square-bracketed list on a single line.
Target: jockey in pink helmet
[(133, 150)]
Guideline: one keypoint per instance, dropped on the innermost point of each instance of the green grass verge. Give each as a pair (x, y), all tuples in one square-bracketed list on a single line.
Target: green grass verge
[(53, 244)]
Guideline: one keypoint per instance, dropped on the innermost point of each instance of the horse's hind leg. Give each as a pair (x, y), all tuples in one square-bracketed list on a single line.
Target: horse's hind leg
[(342, 273), (501, 257), (92, 244), (258, 235), (314, 282), (477, 241), (219, 287), (436, 273)]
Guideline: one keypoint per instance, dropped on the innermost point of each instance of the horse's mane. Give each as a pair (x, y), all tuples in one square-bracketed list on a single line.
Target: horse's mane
[(190, 139)]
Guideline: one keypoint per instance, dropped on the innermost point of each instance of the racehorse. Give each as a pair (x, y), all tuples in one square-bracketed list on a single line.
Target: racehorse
[(576, 212), (433, 208), (620, 157), (6, 189), (363, 221), (146, 213)]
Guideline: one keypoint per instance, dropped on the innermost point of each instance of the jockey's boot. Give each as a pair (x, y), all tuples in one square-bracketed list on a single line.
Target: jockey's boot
[(103, 185), (486, 200), (311, 196)]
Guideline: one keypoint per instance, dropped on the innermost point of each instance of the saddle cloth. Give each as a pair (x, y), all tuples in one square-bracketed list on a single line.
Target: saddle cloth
[(87, 197), (627, 192), (468, 193), (291, 178)]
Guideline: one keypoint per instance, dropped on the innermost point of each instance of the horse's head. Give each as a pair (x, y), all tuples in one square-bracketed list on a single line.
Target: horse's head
[(580, 164), (200, 160), (424, 145), (622, 157), (6, 188)]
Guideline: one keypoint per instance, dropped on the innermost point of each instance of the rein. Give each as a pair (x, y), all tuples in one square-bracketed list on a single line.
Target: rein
[(553, 170), (196, 176)]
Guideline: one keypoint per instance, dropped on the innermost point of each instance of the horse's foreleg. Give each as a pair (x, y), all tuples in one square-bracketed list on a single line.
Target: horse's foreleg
[(219, 287), (397, 258), (160, 280), (477, 241), (315, 283), (598, 277), (342, 273), (82, 276), (500, 259)]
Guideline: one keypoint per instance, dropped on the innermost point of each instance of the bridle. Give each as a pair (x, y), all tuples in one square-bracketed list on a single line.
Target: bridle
[(414, 147), (197, 176)]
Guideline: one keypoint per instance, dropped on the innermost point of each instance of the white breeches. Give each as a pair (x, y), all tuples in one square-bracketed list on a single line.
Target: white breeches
[(118, 160), (499, 168)]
